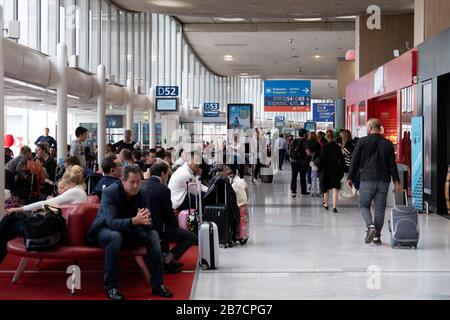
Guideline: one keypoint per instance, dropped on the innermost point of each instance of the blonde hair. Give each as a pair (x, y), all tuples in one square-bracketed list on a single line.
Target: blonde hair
[(73, 175)]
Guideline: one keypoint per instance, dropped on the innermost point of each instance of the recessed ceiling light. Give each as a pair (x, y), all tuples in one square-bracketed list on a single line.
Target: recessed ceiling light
[(346, 17), (317, 56), (244, 74), (228, 57), (230, 19), (307, 19)]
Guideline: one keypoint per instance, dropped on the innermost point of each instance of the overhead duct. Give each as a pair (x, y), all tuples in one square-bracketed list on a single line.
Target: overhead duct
[(116, 95), (141, 102), (80, 84), (25, 64)]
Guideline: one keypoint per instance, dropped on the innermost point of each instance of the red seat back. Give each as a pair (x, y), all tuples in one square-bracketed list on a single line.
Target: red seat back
[(79, 219)]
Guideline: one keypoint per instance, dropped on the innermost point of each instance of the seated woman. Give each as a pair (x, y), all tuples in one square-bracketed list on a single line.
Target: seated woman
[(71, 190)]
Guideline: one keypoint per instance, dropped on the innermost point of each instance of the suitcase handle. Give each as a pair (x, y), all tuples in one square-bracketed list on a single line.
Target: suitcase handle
[(404, 193)]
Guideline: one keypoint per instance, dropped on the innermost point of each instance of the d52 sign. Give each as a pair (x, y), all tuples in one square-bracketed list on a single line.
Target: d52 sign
[(167, 91)]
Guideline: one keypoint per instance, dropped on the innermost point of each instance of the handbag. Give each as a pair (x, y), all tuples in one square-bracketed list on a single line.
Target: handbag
[(44, 230), (345, 191)]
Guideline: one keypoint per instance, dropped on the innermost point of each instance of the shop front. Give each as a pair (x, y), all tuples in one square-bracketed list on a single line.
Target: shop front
[(388, 93), (434, 107)]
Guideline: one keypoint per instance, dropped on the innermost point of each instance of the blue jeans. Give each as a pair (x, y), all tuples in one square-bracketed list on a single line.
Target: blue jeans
[(369, 191), (112, 241), (10, 228)]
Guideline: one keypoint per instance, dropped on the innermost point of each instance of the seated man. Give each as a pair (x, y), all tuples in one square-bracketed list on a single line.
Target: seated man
[(156, 197), (120, 221), (111, 174), (178, 183)]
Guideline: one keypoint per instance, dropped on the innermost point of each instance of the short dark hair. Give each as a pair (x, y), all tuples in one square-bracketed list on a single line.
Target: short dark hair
[(160, 153), (158, 169), (80, 131), (126, 154), (108, 164), (136, 154), (73, 161), (131, 168), (43, 147), (152, 150)]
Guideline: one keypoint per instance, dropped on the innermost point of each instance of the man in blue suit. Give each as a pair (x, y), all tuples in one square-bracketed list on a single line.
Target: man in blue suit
[(118, 224), (156, 197)]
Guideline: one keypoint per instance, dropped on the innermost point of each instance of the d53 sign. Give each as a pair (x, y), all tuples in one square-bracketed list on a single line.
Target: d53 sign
[(211, 106), (167, 91)]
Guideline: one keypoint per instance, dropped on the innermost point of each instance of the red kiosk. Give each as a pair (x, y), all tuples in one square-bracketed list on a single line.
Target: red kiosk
[(388, 93)]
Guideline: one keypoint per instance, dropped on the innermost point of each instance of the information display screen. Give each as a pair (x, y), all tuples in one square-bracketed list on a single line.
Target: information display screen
[(167, 105)]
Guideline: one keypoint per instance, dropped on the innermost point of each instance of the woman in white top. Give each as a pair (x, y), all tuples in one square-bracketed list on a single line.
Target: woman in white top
[(71, 190)]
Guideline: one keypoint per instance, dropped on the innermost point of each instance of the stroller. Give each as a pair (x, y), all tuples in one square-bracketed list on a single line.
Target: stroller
[(220, 206)]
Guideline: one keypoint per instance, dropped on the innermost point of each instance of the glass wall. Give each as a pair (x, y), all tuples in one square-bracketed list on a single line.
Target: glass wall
[(148, 48)]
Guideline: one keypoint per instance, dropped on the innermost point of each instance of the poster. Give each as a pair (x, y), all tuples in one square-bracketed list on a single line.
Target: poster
[(240, 116), (417, 162)]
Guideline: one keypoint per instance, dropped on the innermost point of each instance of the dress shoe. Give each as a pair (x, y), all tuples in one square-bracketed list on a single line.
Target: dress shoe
[(114, 294), (176, 263), (162, 291), (324, 206), (306, 193), (171, 268)]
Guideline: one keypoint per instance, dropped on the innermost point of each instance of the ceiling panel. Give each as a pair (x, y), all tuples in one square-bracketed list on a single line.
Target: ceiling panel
[(264, 9)]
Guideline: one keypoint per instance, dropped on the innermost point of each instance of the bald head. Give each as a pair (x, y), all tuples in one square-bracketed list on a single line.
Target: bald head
[(373, 126)]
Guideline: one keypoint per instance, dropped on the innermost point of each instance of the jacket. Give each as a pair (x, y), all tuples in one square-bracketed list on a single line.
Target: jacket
[(115, 213), (155, 197), (374, 157)]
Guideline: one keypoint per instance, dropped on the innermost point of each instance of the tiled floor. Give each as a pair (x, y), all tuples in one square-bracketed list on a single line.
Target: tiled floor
[(297, 250)]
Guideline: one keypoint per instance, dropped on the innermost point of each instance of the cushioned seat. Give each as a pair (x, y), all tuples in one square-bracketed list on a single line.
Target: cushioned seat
[(79, 219)]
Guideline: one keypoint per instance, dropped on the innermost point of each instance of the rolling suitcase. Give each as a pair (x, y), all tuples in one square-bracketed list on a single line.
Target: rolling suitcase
[(403, 225), (187, 218), (243, 226), (220, 214), (208, 241)]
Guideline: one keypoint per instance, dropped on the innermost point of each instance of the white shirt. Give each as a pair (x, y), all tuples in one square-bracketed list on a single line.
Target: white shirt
[(177, 185), (281, 144), (71, 196)]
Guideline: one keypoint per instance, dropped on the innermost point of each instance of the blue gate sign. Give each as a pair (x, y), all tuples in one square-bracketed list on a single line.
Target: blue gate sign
[(287, 95), (167, 91), (417, 161), (323, 112), (211, 110)]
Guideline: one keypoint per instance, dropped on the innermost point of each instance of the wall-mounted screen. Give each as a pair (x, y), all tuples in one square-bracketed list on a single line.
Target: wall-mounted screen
[(167, 105), (240, 116), (114, 121)]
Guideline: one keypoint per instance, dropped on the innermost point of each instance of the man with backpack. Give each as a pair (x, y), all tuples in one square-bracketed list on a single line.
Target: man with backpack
[(299, 162)]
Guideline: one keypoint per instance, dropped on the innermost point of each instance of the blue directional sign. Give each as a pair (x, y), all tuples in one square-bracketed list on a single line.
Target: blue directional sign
[(280, 118), (323, 112), (287, 95), (167, 91), (211, 110)]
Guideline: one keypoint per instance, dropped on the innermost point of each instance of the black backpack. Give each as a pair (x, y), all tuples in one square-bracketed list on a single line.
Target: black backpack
[(297, 151), (44, 230)]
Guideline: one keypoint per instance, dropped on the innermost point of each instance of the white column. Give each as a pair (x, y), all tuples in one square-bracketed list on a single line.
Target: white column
[(61, 101), (101, 113), (2, 121), (152, 118), (130, 114)]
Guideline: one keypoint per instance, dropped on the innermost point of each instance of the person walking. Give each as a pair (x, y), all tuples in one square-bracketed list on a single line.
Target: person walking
[(282, 146), (332, 170), (374, 161)]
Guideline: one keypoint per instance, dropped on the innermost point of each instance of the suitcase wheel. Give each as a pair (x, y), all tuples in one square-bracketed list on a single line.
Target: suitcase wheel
[(204, 265)]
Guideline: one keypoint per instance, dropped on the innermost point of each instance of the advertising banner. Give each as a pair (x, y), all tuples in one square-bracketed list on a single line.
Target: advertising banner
[(417, 162)]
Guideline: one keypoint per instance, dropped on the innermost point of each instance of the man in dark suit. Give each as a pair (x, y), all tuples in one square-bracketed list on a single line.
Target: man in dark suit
[(111, 168), (156, 198), (117, 223)]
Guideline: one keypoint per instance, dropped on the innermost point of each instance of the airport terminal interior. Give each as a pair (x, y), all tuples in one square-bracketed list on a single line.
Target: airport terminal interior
[(225, 150)]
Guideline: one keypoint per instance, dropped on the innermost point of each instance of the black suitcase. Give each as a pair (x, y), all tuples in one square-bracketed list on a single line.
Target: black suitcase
[(267, 178), (220, 215)]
